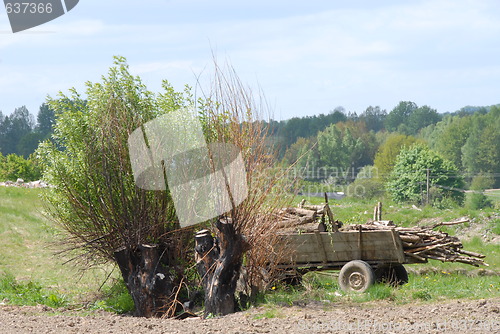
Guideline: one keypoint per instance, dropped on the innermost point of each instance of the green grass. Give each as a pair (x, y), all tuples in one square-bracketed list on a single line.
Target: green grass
[(445, 285), (431, 287), (495, 226), (28, 243), (28, 293)]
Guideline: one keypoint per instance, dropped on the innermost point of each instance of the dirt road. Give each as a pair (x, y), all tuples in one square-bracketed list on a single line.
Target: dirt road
[(458, 316)]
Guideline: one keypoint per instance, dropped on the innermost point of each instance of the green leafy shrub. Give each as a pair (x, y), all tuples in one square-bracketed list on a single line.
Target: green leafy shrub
[(478, 200), (15, 166), (418, 166)]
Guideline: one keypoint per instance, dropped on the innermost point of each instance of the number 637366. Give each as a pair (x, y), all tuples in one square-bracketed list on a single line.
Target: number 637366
[(28, 8)]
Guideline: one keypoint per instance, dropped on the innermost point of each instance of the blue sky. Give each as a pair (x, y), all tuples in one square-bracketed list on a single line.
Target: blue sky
[(307, 57)]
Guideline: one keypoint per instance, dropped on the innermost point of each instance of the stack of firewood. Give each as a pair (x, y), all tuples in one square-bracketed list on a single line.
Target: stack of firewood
[(307, 219), (299, 220), (424, 243)]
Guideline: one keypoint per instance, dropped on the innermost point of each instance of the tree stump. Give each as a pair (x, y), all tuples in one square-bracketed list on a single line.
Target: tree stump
[(148, 279), (219, 261)]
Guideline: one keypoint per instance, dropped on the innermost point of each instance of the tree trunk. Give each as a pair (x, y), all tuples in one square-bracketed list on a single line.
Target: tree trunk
[(219, 262), (147, 278)]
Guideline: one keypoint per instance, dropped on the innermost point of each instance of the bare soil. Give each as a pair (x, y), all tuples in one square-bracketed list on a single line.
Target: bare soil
[(456, 316)]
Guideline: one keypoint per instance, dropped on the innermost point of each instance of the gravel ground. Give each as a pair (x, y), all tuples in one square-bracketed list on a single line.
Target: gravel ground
[(457, 316)]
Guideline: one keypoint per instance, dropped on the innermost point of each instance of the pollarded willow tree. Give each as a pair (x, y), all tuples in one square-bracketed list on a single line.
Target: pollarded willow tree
[(109, 218), (94, 196), (248, 232)]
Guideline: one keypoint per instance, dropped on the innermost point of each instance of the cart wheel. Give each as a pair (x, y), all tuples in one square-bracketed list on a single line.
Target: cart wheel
[(356, 276), (393, 274)]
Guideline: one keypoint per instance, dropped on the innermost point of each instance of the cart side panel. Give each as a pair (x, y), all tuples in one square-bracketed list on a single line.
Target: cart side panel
[(381, 246)]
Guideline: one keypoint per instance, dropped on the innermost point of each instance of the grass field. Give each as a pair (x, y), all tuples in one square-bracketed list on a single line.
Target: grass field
[(28, 244), (30, 273)]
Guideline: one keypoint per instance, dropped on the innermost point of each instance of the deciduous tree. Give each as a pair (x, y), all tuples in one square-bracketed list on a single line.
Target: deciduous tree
[(419, 169), (399, 115), (346, 146), (388, 151), (94, 196), (408, 118), (481, 151)]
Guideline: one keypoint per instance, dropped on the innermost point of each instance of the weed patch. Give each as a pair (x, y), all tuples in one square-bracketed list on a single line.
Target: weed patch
[(115, 298), (28, 293)]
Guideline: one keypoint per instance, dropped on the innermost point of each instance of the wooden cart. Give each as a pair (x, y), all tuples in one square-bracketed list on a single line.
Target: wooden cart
[(363, 257)]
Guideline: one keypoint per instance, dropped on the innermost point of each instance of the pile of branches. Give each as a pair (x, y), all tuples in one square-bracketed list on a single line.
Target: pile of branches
[(425, 242), (307, 219), (298, 220)]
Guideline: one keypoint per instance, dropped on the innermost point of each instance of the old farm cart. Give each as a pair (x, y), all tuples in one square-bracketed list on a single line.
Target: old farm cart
[(363, 257)]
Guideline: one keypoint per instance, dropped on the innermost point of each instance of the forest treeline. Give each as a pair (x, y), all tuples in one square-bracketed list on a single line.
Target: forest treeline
[(470, 137), (413, 154), (20, 135), (343, 141)]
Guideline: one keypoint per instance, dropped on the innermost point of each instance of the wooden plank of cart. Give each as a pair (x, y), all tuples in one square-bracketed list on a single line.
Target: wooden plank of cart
[(363, 257)]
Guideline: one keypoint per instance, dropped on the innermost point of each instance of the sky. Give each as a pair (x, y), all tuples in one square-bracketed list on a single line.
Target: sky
[(306, 57)]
